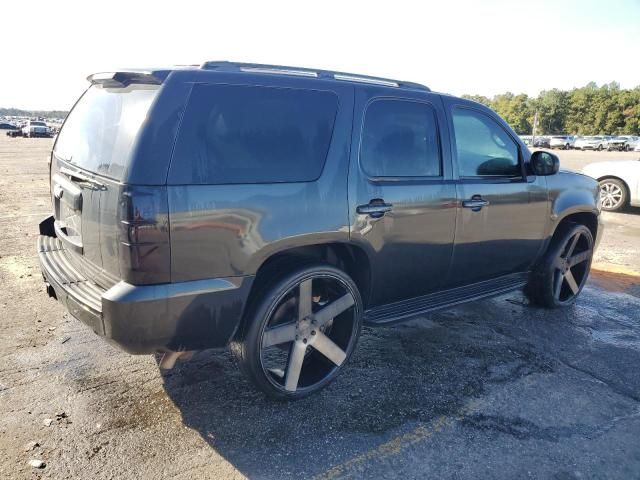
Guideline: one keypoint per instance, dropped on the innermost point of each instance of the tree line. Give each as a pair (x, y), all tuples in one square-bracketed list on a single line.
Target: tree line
[(16, 112), (588, 110)]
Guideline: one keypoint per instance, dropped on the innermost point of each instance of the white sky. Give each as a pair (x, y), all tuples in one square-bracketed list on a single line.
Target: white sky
[(482, 47)]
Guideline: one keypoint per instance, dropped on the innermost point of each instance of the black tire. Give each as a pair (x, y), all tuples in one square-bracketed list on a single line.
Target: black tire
[(561, 275), (600, 147), (614, 194), (276, 307)]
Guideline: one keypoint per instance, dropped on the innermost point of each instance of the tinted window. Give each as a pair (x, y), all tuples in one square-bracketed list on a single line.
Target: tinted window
[(246, 134), (483, 147), (100, 130), (400, 139)]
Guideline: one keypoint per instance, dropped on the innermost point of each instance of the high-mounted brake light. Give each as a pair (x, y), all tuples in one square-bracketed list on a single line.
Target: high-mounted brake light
[(123, 79)]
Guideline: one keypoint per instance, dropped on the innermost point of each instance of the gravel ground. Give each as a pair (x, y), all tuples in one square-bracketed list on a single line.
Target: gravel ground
[(494, 389)]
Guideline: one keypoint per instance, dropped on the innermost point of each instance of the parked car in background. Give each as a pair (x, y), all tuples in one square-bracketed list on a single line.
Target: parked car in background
[(17, 132), (249, 220), (561, 141), (619, 183), (622, 143), (591, 143), (7, 126), (36, 128), (541, 142), (526, 139)]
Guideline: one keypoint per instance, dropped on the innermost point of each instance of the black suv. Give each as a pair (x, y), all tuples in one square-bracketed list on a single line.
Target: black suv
[(276, 209)]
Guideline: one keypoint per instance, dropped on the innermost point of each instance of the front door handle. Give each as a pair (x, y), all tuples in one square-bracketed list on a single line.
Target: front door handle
[(376, 208), (475, 203)]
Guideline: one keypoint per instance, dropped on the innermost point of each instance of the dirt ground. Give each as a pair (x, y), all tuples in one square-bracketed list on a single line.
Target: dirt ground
[(495, 389)]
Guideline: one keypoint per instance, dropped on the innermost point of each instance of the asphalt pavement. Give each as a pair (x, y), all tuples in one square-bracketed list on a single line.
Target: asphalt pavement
[(494, 389)]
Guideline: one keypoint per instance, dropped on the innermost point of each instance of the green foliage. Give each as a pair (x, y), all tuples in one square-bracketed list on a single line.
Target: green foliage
[(589, 110)]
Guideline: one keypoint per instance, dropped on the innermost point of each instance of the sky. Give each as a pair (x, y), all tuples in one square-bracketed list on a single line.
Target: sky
[(476, 47)]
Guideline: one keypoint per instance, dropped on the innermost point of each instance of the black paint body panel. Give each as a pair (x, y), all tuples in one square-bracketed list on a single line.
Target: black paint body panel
[(173, 263)]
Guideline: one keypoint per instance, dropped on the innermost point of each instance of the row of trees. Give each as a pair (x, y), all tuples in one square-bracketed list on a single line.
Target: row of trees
[(589, 110), (16, 112)]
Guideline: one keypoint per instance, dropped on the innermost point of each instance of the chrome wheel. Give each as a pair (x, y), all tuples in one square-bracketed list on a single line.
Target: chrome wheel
[(309, 333), (612, 195), (571, 268)]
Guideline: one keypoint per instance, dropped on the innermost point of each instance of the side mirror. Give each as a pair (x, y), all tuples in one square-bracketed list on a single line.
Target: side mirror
[(544, 163)]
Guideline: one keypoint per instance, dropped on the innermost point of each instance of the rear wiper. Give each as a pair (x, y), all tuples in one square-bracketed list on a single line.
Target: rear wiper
[(60, 157)]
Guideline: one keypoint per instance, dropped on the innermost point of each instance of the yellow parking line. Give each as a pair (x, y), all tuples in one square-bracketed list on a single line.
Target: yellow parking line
[(397, 444), (612, 268)]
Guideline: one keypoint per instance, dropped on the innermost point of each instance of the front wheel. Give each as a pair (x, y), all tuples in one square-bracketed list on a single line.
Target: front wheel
[(300, 331), (613, 194), (563, 272)]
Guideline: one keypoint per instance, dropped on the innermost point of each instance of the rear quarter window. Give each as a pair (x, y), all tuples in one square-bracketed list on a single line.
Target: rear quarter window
[(252, 134)]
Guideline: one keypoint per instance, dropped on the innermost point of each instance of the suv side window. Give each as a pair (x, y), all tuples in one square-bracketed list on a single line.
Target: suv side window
[(400, 139), (483, 147), (253, 134)]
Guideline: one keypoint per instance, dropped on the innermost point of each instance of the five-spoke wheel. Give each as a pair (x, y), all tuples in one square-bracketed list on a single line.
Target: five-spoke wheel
[(560, 277), (301, 332)]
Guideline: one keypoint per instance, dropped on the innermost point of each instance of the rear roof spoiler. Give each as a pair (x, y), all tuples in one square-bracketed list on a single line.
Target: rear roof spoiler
[(126, 78)]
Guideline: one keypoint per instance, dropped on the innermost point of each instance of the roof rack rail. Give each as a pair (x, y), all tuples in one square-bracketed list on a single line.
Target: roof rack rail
[(308, 72)]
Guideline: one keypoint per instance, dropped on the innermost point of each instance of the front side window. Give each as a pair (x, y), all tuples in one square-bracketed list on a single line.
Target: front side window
[(400, 139), (233, 134), (483, 147)]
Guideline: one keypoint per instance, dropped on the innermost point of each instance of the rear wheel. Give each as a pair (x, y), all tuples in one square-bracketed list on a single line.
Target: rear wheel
[(300, 332), (613, 194), (562, 274)]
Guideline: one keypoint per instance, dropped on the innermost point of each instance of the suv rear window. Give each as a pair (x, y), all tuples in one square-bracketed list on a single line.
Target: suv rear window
[(99, 133), (250, 134)]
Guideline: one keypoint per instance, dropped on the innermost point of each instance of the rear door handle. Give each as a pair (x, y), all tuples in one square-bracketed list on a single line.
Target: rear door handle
[(475, 203), (375, 208)]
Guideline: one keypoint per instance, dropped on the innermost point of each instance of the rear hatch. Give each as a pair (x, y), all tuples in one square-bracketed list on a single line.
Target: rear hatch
[(88, 169)]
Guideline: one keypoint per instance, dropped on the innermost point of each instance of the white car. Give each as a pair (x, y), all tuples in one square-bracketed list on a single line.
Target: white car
[(591, 143), (619, 183)]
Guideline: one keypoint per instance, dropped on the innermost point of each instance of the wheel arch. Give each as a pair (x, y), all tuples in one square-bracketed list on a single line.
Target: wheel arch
[(615, 177), (348, 257), (588, 219)]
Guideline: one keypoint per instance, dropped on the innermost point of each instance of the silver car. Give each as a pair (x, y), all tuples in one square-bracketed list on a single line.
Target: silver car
[(562, 141), (623, 143)]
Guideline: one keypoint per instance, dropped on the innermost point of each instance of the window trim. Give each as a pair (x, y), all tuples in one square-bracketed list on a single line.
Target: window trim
[(486, 178), (406, 178)]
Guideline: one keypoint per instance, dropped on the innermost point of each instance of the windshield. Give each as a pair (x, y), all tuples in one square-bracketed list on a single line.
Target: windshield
[(99, 133), (38, 124)]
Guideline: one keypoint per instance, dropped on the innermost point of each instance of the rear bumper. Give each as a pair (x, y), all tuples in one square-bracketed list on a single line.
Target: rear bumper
[(146, 318)]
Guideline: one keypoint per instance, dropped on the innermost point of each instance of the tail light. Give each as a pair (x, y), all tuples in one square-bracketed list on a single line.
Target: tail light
[(144, 243)]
